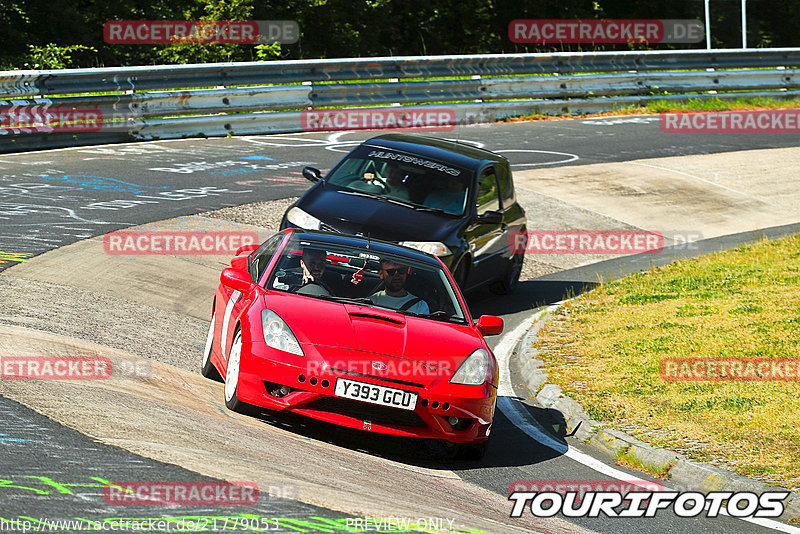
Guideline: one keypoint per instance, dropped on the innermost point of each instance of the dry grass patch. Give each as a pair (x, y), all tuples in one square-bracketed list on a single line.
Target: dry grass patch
[(605, 350), (688, 104)]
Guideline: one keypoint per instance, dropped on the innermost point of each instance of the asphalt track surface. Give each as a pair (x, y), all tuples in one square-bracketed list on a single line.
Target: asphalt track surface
[(53, 473), (53, 198)]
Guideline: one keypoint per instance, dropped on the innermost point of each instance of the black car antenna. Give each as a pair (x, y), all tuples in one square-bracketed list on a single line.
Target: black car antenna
[(367, 239)]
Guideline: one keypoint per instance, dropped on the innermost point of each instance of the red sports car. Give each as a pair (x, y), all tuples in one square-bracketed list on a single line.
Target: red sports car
[(356, 332)]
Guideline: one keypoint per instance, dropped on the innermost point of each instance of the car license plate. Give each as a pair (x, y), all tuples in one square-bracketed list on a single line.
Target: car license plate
[(396, 398)]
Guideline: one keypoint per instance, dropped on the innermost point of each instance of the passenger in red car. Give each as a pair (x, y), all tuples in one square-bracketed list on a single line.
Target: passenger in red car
[(313, 265), (395, 295)]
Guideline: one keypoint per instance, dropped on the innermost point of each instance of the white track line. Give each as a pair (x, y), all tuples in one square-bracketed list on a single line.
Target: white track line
[(522, 420), (570, 157), (692, 176)]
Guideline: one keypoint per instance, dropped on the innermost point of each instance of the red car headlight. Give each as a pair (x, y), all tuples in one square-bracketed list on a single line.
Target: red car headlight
[(472, 372), (278, 335)]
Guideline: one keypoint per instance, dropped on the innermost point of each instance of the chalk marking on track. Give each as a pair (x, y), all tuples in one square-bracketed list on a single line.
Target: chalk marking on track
[(105, 145), (570, 157), (531, 427), (343, 146)]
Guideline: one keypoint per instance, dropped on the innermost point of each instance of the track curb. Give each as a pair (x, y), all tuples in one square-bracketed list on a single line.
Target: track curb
[(684, 474)]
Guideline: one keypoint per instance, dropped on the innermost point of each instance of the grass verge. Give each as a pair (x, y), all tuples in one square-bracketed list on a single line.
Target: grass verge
[(605, 349), (624, 457), (690, 104)]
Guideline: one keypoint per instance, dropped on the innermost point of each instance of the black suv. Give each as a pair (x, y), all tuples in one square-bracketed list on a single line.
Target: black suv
[(442, 197)]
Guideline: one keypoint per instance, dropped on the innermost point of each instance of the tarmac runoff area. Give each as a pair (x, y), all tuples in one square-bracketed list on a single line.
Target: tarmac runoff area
[(80, 300)]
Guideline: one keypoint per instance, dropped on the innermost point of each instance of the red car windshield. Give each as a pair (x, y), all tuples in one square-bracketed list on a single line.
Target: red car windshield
[(362, 276)]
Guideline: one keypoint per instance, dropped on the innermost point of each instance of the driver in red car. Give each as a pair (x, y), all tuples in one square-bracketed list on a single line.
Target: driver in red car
[(395, 295)]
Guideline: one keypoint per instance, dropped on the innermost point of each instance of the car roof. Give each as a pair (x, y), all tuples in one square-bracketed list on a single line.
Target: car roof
[(460, 154), (375, 245)]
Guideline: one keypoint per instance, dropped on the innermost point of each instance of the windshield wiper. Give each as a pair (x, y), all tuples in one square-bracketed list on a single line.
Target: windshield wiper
[(356, 300), (398, 202), (428, 209), (438, 315), (353, 300), (416, 207), (378, 197)]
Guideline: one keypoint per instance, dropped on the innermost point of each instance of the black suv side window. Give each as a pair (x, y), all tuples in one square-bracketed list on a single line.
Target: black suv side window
[(486, 196), (262, 255), (506, 185)]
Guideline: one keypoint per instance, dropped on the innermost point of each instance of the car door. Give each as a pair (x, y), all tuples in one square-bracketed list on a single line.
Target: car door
[(485, 239), (231, 303), (513, 214)]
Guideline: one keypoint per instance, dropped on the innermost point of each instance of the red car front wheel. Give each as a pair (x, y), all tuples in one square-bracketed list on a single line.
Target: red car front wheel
[(207, 368), (232, 374)]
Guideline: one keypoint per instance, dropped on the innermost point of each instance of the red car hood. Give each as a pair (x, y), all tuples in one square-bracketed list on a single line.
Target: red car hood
[(374, 330)]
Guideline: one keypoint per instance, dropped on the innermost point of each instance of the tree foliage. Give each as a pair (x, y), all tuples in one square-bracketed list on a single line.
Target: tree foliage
[(36, 34)]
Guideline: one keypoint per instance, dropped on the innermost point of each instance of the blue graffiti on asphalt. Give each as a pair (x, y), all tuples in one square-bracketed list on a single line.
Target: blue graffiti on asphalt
[(14, 440), (102, 183), (257, 157)]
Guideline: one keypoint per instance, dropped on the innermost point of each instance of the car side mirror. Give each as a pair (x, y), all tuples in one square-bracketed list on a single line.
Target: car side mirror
[(240, 263), (247, 248), (236, 279), (490, 217), (489, 325), (312, 174)]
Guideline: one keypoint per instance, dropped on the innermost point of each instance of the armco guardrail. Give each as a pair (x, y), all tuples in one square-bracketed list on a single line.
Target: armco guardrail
[(266, 97)]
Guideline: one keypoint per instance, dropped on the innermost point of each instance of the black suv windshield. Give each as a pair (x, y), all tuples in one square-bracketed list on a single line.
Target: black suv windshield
[(396, 176)]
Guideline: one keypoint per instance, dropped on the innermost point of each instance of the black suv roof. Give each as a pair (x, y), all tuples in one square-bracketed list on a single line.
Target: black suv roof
[(461, 154)]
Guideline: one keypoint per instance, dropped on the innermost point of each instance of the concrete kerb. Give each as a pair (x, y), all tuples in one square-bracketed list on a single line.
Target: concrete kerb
[(682, 473)]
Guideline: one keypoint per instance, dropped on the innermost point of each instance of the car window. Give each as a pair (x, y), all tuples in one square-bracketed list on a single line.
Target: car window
[(486, 197), (359, 276), (506, 185), (262, 255), (402, 177)]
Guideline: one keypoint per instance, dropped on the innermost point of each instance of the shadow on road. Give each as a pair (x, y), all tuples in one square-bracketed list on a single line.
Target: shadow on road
[(508, 447), (511, 447), (529, 295)]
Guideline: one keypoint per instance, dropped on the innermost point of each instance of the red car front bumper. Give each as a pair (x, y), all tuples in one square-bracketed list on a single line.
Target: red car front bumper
[(312, 379)]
